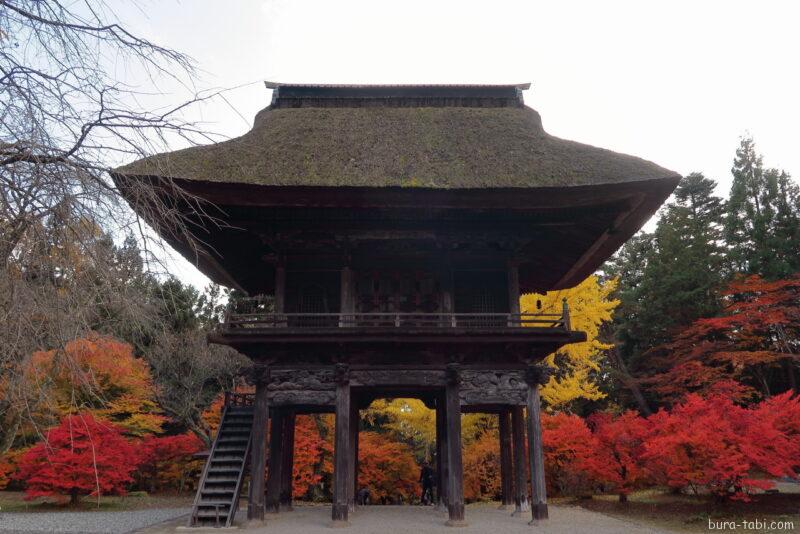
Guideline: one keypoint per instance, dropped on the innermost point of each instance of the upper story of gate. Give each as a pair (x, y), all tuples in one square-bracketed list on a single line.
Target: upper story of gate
[(369, 205)]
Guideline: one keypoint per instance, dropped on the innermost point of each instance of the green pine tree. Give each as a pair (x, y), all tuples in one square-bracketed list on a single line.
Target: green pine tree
[(671, 277), (763, 217)]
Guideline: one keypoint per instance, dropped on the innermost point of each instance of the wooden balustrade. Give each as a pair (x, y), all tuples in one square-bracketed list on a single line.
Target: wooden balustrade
[(258, 320)]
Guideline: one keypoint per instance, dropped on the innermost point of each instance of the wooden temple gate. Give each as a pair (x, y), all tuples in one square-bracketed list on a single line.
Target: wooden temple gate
[(392, 230), (343, 390)]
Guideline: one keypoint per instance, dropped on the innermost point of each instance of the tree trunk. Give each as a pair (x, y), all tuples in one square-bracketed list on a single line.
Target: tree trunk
[(629, 382)]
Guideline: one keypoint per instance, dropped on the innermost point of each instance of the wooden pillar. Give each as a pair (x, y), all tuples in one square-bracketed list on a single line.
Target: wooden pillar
[(341, 452), (506, 469), (347, 301), (442, 479), (455, 488), (356, 423), (513, 293), (353, 472), (520, 463), (258, 447), (536, 376), (287, 461), (272, 501)]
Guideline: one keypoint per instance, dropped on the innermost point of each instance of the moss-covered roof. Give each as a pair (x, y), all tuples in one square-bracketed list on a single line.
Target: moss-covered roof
[(436, 147)]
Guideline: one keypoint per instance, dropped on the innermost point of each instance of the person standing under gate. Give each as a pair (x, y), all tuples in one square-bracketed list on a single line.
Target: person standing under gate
[(426, 480)]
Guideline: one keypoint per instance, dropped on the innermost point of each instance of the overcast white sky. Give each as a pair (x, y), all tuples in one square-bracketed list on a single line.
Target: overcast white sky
[(674, 82)]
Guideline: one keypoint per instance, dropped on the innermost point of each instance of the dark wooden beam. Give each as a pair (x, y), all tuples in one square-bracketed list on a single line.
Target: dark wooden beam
[(506, 468), (520, 463), (455, 489), (272, 501), (341, 452), (287, 461), (258, 447)]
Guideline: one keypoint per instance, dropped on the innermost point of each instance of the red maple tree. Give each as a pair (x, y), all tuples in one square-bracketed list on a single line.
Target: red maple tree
[(81, 456), (616, 461), (757, 332), (168, 462), (567, 443), (715, 444)]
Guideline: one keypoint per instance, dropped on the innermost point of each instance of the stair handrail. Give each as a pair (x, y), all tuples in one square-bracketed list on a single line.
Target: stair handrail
[(238, 490), (204, 475)]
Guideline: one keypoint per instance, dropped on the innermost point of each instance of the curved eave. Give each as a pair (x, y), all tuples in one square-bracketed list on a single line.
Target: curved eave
[(642, 199)]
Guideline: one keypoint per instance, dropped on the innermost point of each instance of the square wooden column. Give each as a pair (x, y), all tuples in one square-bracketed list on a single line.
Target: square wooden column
[(442, 479), (287, 461), (258, 447), (536, 376), (506, 468), (353, 472), (341, 450), (520, 461), (272, 501), (455, 488)]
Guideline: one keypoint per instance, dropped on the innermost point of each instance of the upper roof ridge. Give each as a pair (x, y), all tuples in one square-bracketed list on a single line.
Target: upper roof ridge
[(286, 95)]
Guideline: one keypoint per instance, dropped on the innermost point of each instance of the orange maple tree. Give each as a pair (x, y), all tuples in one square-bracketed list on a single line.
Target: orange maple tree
[(311, 452), (482, 467), (387, 468), (101, 376)]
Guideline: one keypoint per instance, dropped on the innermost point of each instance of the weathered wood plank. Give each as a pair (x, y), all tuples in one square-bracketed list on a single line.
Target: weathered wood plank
[(492, 387), (341, 452), (272, 500), (538, 487), (506, 469), (287, 461), (455, 489), (520, 462), (258, 448)]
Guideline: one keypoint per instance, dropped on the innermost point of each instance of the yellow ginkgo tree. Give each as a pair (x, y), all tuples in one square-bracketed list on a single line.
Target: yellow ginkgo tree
[(590, 306)]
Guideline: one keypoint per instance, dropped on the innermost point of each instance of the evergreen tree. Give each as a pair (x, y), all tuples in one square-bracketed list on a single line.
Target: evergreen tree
[(670, 278), (684, 271), (762, 224)]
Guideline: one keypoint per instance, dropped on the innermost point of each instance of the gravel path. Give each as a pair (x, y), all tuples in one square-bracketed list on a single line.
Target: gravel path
[(482, 519), (86, 522)]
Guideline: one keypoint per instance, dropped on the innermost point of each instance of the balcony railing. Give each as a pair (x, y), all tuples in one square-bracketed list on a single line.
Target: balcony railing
[(248, 316)]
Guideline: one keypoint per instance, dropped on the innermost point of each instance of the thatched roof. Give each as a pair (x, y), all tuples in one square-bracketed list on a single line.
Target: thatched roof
[(452, 146)]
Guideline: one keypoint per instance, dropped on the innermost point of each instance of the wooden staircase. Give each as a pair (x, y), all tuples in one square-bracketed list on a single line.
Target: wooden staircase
[(217, 498)]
